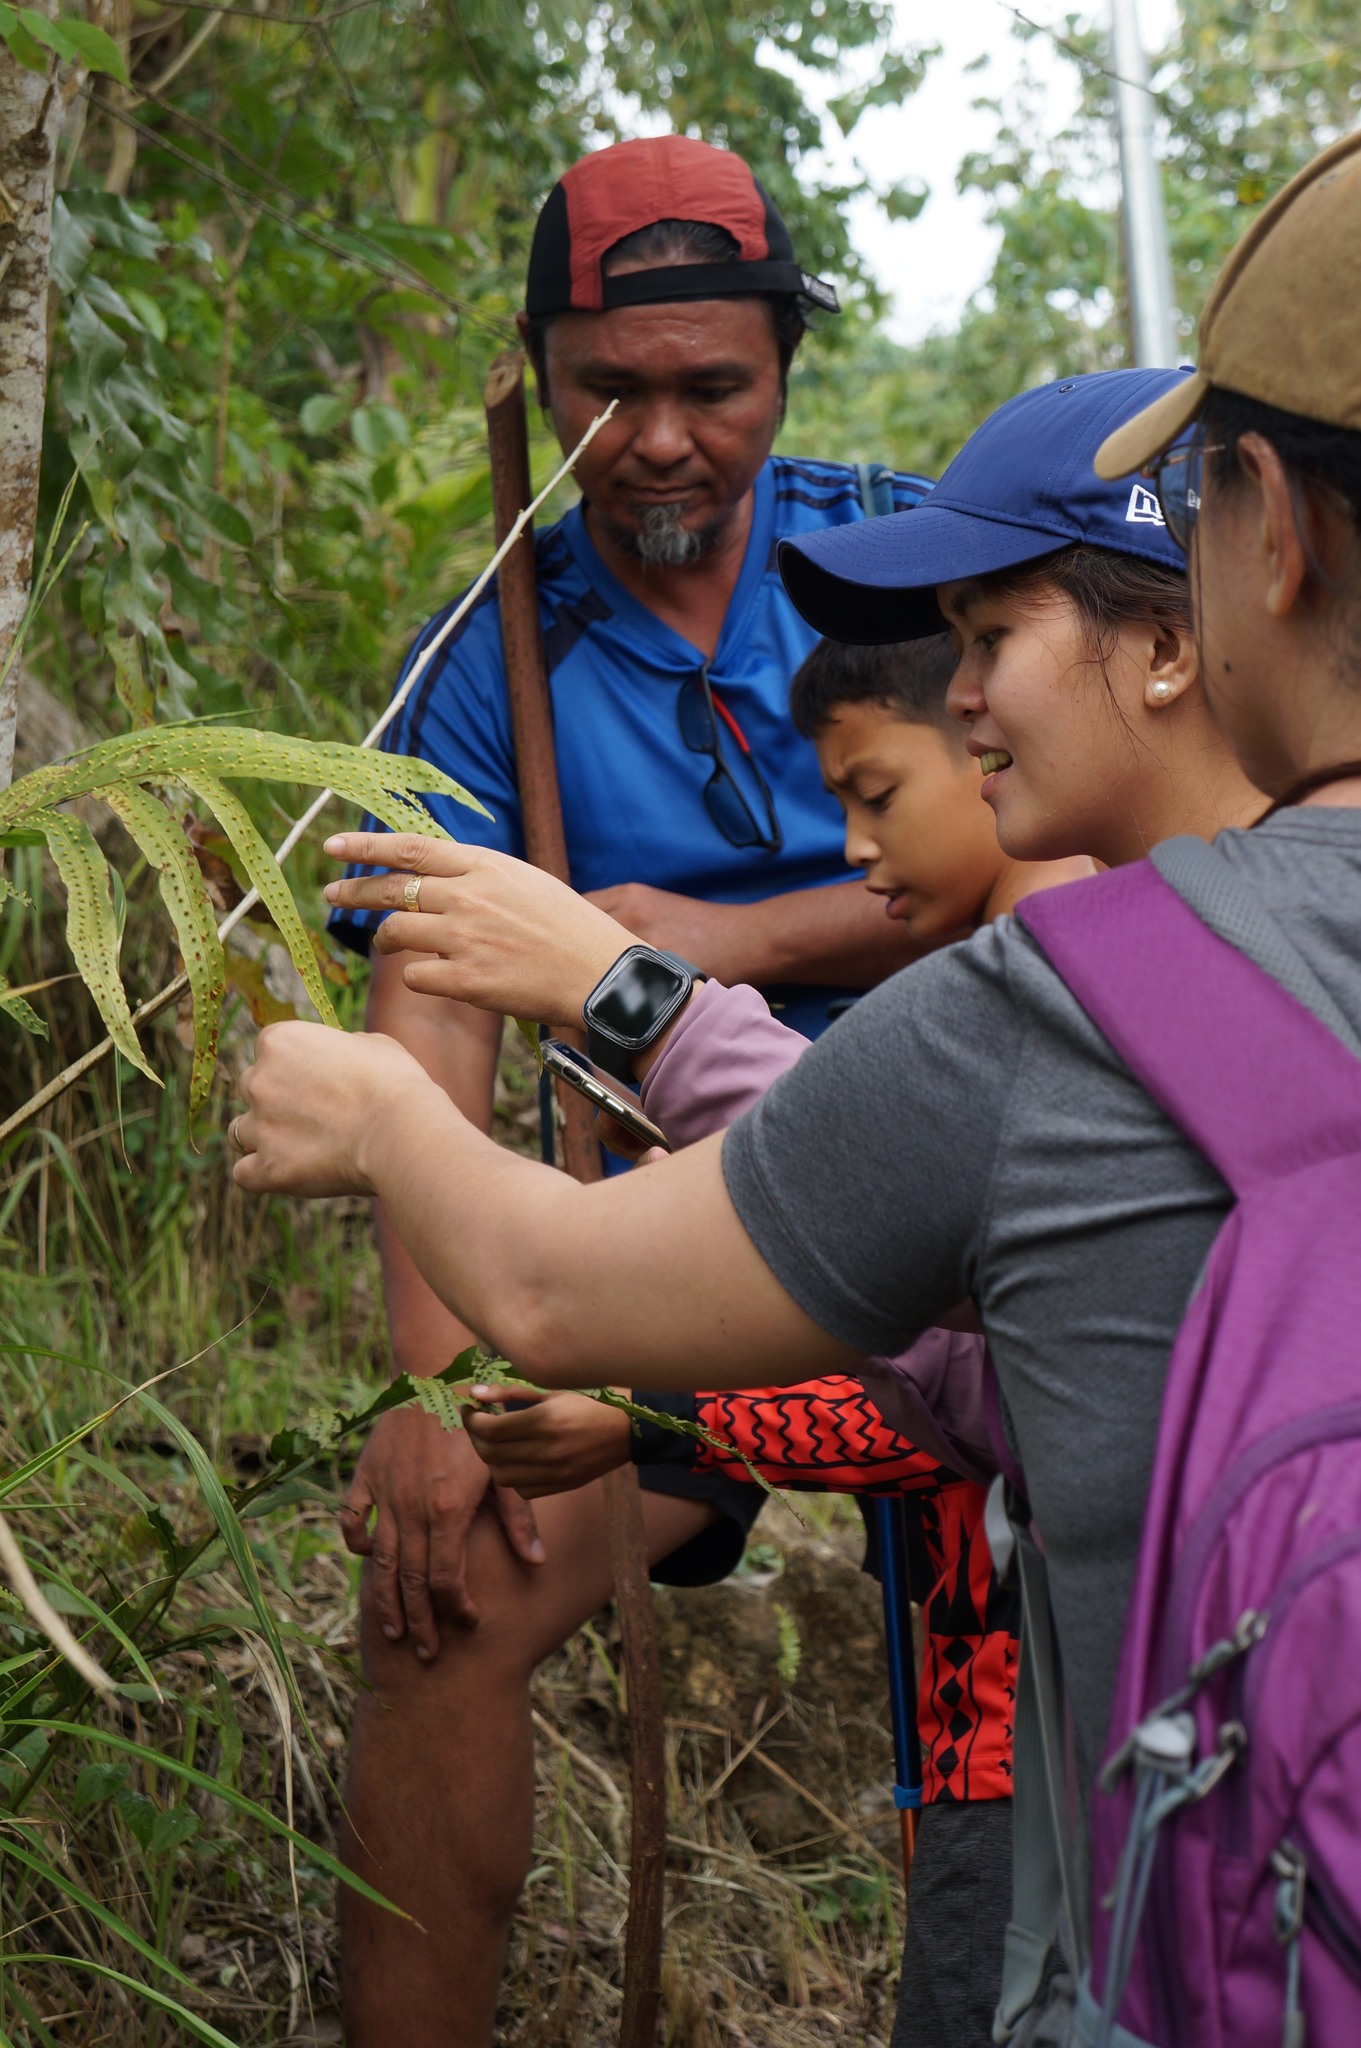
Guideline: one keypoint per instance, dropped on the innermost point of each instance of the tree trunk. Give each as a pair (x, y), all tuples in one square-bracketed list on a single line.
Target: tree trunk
[(30, 119)]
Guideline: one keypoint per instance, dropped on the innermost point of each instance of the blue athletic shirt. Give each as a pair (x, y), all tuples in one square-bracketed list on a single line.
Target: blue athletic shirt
[(632, 792)]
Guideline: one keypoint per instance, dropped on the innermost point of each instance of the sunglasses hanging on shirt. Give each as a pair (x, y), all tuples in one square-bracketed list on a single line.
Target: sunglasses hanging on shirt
[(702, 716)]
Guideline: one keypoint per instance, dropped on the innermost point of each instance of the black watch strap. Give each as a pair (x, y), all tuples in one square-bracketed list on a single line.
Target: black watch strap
[(631, 1006)]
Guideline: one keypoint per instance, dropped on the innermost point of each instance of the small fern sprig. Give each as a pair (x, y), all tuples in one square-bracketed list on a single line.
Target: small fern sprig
[(325, 1428)]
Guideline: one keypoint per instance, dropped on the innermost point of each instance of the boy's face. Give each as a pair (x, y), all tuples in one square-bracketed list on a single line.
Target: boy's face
[(915, 821)]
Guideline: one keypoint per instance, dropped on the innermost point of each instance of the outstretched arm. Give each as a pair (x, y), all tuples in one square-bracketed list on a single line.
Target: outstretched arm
[(649, 1280)]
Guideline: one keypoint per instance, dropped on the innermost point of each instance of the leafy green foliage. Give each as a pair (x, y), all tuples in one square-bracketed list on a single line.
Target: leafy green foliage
[(198, 757), (30, 36)]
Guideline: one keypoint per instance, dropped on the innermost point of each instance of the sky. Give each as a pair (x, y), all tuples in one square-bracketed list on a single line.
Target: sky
[(930, 266)]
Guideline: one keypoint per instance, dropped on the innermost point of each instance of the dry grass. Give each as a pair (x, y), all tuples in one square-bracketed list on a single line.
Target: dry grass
[(783, 1907), (783, 1903)]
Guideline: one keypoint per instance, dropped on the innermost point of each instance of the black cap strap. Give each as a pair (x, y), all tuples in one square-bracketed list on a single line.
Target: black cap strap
[(716, 281)]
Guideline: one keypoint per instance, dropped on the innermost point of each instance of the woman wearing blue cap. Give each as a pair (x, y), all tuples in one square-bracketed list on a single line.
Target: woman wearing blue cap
[(967, 1132)]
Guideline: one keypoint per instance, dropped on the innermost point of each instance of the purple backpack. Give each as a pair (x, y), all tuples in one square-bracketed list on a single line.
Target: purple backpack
[(1223, 1906)]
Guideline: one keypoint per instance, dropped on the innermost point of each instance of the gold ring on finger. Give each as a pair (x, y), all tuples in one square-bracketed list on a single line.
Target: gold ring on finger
[(411, 892)]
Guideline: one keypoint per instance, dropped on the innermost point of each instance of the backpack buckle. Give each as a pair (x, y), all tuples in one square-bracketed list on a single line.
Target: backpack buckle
[(1287, 1922)]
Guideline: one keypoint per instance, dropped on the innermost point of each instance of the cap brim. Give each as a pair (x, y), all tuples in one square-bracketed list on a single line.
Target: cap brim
[(873, 583), (1133, 446)]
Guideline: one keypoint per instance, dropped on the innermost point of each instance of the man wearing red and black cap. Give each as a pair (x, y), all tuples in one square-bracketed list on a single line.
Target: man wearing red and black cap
[(661, 276)]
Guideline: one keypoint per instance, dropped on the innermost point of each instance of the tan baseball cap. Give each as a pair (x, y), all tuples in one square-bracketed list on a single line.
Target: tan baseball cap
[(1283, 323)]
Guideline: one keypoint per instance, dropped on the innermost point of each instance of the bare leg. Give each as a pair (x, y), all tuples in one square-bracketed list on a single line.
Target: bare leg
[(441, 1782)]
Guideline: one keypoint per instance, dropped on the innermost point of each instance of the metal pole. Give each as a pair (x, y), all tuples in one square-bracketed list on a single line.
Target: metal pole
[(1148, 271), (890, 1529)]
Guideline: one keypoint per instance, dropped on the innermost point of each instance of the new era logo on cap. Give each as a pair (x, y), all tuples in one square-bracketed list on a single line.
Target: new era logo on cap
[(1143, 508)]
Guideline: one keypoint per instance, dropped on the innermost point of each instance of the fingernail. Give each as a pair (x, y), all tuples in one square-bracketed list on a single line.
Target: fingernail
[(537, 1551), (331, 891), (390, 1631), (423, 1653), (335, 844)]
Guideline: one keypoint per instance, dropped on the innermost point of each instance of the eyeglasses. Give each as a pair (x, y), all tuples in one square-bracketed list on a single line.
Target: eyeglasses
[(1176, 476), (699, 710)]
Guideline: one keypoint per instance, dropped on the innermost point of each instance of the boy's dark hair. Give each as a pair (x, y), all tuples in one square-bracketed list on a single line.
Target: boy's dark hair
[(910, 677), (684, 241)]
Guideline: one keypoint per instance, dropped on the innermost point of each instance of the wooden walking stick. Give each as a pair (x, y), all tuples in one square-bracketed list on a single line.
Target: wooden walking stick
[(545, 845)]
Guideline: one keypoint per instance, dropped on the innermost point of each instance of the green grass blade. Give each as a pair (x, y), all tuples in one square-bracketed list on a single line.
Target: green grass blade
[(92, 929), (20, 1474), (200, 2029), (164, 845), (267, 877), (104, 1737), (234, 1537), (91, 1905)]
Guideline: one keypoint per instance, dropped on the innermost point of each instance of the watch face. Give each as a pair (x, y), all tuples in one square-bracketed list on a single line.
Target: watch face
[(636, 995)]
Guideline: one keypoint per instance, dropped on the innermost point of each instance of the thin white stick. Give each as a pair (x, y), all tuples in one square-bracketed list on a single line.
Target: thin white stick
[(48, 1620), (424, 658)]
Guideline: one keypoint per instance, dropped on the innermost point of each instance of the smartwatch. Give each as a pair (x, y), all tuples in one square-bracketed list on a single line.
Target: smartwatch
[(631, 1006)]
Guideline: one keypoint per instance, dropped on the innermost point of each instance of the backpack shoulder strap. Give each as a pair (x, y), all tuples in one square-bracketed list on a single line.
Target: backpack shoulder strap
[(876, 488), (1253, 1079), (1220, 897)]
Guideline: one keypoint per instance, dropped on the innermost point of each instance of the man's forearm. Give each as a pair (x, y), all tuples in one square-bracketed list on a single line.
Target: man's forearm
[(425, 1334), (839, 935)]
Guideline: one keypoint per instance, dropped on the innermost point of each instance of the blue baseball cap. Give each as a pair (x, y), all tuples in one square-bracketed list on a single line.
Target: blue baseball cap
[(1021, 487)]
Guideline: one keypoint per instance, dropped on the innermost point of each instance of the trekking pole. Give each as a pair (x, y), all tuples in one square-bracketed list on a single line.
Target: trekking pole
[(536, 771), (890, 1527)]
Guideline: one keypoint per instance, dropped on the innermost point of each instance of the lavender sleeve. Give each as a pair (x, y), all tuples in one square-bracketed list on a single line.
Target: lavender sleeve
[(724, 1052)]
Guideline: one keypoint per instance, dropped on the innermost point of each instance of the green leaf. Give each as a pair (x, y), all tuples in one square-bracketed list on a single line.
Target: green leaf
[(98, 49), (164, 845), (439, 1400), (322, 413), (22, 46), (171, 1829), (92, 929), (267, 876), (21, 1010)]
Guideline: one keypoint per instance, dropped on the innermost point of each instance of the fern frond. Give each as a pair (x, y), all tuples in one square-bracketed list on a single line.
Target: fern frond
[(12, 1004), (92, 928), (266, 876), (164, 845), (175, 753)]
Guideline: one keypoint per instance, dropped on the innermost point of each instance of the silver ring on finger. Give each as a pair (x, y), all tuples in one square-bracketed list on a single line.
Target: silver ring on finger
[(234, 1136), (411, 892)]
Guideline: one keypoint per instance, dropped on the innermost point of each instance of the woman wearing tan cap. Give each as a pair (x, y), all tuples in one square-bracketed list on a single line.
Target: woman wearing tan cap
[(967, 1130)]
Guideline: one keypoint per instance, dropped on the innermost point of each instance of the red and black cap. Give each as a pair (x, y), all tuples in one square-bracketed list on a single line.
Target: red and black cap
[(614, 192)]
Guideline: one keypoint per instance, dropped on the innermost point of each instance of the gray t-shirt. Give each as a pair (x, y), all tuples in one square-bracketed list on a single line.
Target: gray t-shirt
[(966, 1130)]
